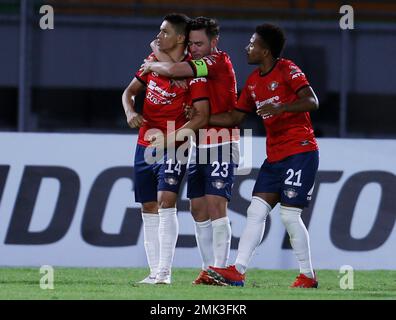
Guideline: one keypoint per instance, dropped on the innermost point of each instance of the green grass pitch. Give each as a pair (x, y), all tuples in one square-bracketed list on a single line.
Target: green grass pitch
[(120, 283)]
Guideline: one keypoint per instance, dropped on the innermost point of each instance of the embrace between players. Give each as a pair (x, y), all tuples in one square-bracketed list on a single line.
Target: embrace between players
[(187, 69)]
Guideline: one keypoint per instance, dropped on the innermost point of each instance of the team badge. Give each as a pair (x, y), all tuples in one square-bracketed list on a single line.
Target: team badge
[(273, 85), (171, 181), (290, 193), (251, 88), (218, 184), (294, 70)]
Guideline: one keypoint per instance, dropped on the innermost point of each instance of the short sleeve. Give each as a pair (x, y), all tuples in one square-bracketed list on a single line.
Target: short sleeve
[(295, 77), (245, 102), (138, 74), (199, 89)]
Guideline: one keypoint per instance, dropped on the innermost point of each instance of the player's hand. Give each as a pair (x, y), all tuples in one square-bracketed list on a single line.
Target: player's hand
[(179, 83), (270, 109), (189, 111), (145, 67), (134, 119), (158, 140)]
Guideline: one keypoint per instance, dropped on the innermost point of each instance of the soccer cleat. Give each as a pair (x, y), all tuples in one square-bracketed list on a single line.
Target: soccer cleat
[(204, 278), (148, 280), (163, 278), (302, 281), (227, 276)]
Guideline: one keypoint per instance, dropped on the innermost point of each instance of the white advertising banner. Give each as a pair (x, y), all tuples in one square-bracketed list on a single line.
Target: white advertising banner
[(67, 200)]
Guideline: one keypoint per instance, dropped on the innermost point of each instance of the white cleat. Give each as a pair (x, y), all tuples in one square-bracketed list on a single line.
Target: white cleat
[(148, 280), (163, 278)]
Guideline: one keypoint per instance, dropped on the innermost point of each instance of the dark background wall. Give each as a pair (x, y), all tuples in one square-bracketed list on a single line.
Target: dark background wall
[(78, 70)]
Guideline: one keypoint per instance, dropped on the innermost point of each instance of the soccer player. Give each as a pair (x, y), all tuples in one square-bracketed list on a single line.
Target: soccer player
[(280, 93), (209, 184), (157, 184)]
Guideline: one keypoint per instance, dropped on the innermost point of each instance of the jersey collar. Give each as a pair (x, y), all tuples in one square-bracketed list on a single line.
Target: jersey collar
[(262, 74)]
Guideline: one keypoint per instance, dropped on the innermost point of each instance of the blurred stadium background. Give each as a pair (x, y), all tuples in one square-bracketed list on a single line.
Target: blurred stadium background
[(69, 81), (55, 80)]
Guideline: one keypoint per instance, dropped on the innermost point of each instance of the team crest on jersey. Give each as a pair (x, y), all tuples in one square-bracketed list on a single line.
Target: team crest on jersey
[(290, 193), (171, 181), (218, 184), (251, 88), (273, 85), (294, 69)]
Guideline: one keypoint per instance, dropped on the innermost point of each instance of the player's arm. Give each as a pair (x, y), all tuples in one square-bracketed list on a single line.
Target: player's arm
[(306, 102), (169, 69), (160, 55), (165, 65), (227, 119), (134, 119), (198, 121)]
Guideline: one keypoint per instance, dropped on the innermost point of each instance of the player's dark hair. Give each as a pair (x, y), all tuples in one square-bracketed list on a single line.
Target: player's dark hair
[(273, 37), (179, 21), (212, 28)]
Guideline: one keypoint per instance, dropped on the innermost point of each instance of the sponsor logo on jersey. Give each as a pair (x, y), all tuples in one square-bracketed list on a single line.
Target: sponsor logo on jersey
[(210, 60), (290, 193), (273, 85), (299, 74), (196, 80), (158, 95), (267, 101), (304, 143)]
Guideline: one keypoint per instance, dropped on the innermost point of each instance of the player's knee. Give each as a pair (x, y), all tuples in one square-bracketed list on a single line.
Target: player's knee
[(200, 216), (258, 210), (167, 200), (217, 210), (289, 214), (195, 208), (167, 203), (150, 207), (199, 211)]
